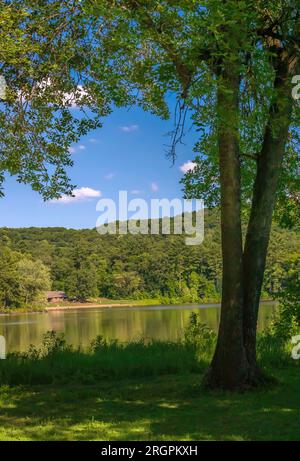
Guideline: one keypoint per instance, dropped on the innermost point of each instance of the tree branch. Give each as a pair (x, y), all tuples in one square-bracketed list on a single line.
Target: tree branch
[(253, 156)]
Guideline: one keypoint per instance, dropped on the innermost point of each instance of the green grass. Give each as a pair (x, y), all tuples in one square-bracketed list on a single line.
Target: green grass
[(156, 408), (113, 361), (132, 302), (93, 301), (21, 310), (142, 391)]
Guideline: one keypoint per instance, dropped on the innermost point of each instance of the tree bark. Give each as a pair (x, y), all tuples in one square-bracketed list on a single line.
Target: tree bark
[(269, 164), (229, 367), (234, 365)]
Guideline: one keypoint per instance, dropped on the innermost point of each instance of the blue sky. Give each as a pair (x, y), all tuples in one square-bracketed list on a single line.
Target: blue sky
[(127, 153)]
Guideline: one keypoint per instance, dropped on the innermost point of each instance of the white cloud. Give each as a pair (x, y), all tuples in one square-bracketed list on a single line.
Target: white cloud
[(136, 192), (79, 195), (154, 187), (74, 149), (94, 140), (129, 128), (188, 166), (110, 176), (71, 99), (75, 97)]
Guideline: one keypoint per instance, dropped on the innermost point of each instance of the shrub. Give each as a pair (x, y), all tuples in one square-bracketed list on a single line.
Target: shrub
[(274, 344), (199, 336)]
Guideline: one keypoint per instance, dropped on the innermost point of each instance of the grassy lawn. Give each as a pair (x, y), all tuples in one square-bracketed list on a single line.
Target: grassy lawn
[(158, 408)]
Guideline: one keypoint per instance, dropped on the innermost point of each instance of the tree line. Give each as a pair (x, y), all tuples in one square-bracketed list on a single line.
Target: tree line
[(87, 265)]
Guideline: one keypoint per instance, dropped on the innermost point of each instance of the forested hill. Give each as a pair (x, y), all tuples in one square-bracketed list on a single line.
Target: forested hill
[(85, 265)]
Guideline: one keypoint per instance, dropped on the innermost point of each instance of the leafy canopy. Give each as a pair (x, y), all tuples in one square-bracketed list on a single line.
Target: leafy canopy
[(152, 48), (50, 100), (67, 64)]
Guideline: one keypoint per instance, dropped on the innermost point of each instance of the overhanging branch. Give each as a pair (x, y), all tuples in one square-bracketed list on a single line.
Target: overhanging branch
[(250, 155)]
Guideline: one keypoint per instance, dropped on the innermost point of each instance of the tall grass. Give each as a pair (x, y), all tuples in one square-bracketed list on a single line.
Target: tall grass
[(58, 362)]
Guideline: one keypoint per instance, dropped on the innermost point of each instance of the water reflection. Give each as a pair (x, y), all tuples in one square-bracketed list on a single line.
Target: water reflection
[(124, 324)]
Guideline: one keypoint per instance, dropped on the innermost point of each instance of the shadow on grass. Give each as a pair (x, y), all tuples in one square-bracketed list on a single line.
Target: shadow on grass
[(165, 408)]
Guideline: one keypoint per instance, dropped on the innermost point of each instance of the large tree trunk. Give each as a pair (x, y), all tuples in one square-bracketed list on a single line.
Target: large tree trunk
[(234, 363), (229, 367), (264, 195)]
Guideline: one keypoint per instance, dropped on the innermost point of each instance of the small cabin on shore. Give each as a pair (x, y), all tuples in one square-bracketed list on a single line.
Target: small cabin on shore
[(56, 296)]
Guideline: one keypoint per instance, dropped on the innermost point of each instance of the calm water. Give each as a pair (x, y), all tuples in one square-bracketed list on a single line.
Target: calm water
[(81, 326)]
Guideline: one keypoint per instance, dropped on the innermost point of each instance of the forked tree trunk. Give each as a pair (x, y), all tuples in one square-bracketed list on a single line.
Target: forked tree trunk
[(234, 364), (229, 367), (264, 196)]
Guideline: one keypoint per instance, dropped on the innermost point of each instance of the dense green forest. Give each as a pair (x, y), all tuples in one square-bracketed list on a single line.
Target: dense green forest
[(87, 265)]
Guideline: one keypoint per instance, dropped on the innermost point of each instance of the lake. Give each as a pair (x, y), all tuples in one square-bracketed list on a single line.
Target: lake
[(124, 324)]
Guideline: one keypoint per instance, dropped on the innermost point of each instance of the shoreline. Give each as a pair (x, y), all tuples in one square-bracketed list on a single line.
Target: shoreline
[(83, 306), (93, 306)]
